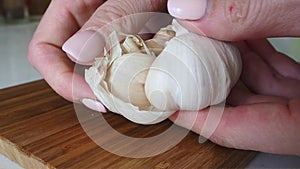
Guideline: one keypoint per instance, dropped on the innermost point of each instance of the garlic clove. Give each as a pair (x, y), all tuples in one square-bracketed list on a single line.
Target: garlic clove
[(161, 88), (126, 78), (197, 77), (180, 82)]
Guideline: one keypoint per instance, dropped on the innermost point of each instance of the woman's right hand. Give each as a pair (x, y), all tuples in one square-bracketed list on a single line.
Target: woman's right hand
[(266, 103)]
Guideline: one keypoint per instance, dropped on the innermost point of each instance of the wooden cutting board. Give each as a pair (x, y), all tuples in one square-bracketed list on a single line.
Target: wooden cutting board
[(39, 129)]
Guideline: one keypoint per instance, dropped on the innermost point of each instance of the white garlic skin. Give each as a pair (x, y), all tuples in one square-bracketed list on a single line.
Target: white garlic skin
[(192, 73)]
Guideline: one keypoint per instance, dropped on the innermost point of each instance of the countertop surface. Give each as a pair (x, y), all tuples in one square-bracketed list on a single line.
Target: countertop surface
[(15, 70)]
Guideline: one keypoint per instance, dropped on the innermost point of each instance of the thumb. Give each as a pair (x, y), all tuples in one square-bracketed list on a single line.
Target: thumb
[(233, 20), (124, 16)]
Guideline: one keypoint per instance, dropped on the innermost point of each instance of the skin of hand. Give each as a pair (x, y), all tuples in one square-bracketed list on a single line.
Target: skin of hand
[(261, 118), (265, 105)]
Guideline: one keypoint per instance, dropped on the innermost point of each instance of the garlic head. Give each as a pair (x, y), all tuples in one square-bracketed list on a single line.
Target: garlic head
[(147, 81)]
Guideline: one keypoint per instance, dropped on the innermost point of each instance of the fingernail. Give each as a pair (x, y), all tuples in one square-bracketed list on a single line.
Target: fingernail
[(84, 46), (94, 105), (187, 9)]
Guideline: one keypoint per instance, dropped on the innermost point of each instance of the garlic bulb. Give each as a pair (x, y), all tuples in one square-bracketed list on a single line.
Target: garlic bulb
[(147, 81)]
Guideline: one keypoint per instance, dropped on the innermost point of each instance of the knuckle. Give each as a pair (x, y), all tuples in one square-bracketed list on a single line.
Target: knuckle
[(243, 15), (237, 11), (35, 54), (104, 15), (63, 90), (31, 54)]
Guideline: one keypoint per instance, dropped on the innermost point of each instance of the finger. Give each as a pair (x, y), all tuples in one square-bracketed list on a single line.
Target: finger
[(271, 128), (234, 20), (261, 78), (280, 62), (45, 54), (88, 43), (241, 95)]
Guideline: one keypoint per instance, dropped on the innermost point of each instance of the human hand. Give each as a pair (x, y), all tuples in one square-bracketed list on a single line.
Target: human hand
[(76, 23), (64, 18), (265, 112)]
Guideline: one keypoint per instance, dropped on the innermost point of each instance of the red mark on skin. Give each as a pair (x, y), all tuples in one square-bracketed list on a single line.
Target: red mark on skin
[(231, 8)]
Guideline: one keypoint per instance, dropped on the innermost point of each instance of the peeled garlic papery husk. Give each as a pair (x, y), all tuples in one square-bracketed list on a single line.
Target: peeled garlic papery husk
[(147, 81)]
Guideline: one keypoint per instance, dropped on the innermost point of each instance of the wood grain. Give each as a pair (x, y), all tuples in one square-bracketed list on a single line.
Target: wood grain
[(39, 129)]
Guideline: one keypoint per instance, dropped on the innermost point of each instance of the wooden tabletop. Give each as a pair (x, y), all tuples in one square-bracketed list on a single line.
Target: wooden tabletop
[(39, 129)]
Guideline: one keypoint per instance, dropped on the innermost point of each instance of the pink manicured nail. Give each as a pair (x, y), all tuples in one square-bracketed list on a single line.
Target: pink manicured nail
[(187, 9), (94, 105), (84, 47)]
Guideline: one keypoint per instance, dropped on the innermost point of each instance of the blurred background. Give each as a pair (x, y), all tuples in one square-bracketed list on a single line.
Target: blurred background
[(18, 21), (16, 11)]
